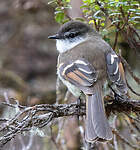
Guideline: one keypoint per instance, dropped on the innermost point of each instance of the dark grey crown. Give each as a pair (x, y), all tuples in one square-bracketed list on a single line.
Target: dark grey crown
[(72, 29)]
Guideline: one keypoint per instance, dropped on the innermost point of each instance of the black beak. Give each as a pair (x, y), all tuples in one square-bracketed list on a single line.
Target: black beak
[(56, 36)]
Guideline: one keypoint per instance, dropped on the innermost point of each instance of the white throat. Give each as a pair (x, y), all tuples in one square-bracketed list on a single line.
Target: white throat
[(64, 45)]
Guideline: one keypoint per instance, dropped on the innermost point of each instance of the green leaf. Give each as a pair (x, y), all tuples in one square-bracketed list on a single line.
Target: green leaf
[(58, 12), (59, 17), (91, 1), (51, 2), (104, 32), (97, 12), (80, 19), (115, 21), (85, 11), (91, 22), (65, 20), (136, 17), (133, 10), (97, 7), (84, 6), (113, 14), (57, 9), (107, 40), (137, 13), (102, 24)]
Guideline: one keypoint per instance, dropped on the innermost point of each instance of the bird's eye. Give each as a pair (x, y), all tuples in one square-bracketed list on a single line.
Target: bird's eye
[(72, 35)]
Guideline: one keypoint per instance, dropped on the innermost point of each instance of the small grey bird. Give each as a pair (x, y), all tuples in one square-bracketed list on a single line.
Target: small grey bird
[(85, 62)]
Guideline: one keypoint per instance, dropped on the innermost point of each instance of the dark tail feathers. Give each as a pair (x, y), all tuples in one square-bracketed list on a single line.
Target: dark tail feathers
[(97, 126)]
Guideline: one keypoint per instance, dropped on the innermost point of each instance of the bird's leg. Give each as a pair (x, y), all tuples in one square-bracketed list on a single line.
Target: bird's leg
[(116, 95), (78, 107), (91, 146)]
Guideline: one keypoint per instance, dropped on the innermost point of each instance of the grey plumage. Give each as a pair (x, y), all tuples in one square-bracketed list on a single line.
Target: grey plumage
[(85, 62), (97, 127), (115, 73)]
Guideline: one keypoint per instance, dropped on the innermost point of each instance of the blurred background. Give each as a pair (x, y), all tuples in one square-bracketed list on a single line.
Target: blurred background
[(28, 59)]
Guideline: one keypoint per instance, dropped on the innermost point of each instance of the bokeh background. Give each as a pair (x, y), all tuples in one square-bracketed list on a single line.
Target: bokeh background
[(27, 57)]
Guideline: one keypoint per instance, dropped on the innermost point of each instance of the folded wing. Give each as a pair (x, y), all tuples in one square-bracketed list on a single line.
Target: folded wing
[(79, 73), (116, 72)]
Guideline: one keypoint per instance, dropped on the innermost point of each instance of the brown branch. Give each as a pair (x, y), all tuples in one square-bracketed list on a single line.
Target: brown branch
[(29, 117), (130, 70), (132, 118), (121, 105), (123, 15), (126, 22), (135, 147), (102, 8), (116, 40), (131, 37), (96, 26), (130, 40), (60, 3), (131, 89), (134, 30)]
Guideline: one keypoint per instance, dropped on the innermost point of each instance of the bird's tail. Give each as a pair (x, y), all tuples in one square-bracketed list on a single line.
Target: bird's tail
[(97, 126)]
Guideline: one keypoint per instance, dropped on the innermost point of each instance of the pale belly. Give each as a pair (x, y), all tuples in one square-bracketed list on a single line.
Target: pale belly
[(72, 88)]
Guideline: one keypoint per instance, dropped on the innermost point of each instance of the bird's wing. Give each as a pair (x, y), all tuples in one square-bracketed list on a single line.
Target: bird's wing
[(79, 73), (116, 72)]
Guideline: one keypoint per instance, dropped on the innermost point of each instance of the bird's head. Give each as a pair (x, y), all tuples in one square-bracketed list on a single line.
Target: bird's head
[(71, 34)]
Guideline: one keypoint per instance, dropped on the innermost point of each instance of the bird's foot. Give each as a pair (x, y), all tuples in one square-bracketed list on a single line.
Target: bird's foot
[(78, 108)]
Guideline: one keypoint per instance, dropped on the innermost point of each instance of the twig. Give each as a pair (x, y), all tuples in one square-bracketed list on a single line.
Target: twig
[(132, 89), (135, 119), (125, 140), (60, 3), (58, 91), (123, 15), (115, 138), (116, 40), (30, 117), (130, 70), (135, 32), (129, 124)]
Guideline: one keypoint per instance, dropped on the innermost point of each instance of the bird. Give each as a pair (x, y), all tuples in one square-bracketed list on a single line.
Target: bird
[(85, 63)]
